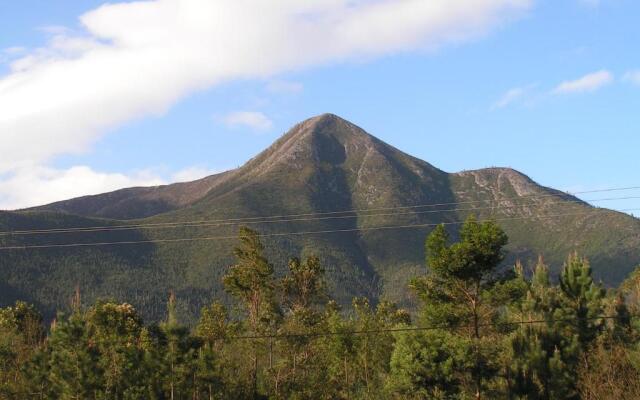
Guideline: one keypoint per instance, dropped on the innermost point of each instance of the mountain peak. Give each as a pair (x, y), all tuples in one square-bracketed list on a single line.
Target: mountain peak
[(325, 117), (322, 138), (328, 125)]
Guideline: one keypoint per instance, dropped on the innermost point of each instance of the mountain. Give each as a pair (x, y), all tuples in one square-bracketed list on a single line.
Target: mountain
[(321, 166)]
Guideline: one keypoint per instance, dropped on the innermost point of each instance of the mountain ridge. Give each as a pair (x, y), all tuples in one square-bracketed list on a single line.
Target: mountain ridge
[(322, 165), (299, 140), (175, 195)]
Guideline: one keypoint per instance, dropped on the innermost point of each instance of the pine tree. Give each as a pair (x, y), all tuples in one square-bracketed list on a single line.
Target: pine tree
[(426, 365), (583, 299), (74, 359), (115, 331), (21, 335), (548, 344), (251, 281), (373, 346), (338, 353), (36, 371), (303, 299), (456, 290), (180, 351), (214, 329), (214, 326)]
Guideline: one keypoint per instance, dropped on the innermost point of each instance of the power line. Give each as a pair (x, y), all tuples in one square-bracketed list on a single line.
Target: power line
[(354, 210), (254, 220), (205, 224), (416, 328), (276, 234)]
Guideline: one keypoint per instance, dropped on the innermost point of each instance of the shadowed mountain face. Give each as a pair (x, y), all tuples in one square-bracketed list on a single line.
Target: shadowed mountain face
[(320, 168)]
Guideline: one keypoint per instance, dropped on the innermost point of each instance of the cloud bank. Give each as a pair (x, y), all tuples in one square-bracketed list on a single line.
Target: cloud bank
[(137, 59), (39, 185)]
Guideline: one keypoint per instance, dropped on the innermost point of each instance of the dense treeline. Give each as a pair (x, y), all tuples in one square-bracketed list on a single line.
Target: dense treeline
[(479, 332)]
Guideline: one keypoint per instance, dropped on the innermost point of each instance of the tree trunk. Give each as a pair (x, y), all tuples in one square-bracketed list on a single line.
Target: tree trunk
[(476, 333), (255, 375), (346, 373), (270, 353), (366, 371)]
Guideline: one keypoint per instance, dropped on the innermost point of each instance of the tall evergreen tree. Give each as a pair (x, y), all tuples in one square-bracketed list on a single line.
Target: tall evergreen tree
[(374, 346), (251, 281), (583, 299), (543, 358), (21, 334), (215, 369), (303, 299), (114, 331), (426, 365), (339, 351), (74, 359), (455, 291), (180, 350)]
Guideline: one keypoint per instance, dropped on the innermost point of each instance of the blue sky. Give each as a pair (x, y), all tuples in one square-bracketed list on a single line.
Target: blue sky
[(550, 88)]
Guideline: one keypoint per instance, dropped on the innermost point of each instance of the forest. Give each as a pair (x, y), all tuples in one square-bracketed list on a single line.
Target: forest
[(478, 331)]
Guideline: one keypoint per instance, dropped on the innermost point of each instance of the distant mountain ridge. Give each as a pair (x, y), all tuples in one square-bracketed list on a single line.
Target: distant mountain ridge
[(322, 165), (135, 202)]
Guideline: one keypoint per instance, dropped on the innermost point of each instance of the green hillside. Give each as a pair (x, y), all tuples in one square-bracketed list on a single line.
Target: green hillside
[(324, 164)]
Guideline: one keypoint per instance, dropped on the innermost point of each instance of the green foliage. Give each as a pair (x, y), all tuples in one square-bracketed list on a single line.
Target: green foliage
[(427, 365), (214, 326), (482, 332), (20, 333), (545, 356), (583, 298), (460, 291), (74, 360), (251, 279)]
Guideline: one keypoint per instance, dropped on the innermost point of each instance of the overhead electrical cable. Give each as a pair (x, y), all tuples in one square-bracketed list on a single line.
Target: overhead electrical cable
[(277, 234), (271, 220)]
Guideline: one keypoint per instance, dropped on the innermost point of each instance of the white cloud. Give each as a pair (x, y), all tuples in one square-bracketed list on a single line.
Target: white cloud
[(511, 96), (137, 59), (587, 83), (633, 77), (38, 185), (251, 119), (286, 87)]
